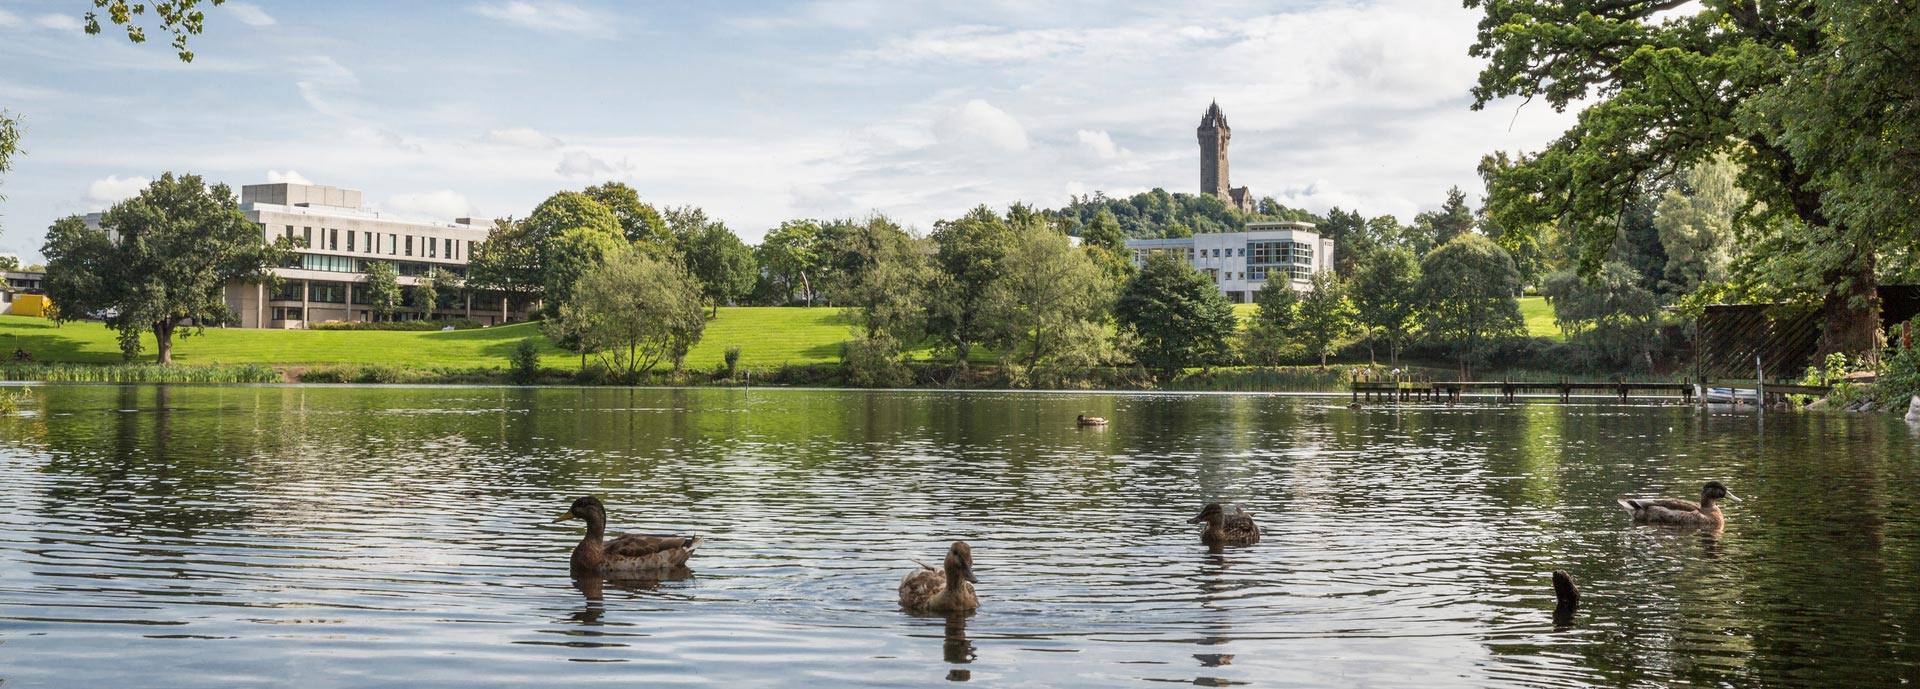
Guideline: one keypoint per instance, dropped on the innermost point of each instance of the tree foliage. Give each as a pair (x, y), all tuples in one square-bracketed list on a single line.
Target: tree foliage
[(159, 262), (632, 311), (1469, 287), (1805, 95), (1435, 228), (879, 278), (1175, 314), (1386, 292), (1325, 316), (791, 259), (1269, 338), (1612, 312), (1150, 214), (722, 263), (1695, 224), (970, 254), (639, 222), (1047, 312), (382, 289)]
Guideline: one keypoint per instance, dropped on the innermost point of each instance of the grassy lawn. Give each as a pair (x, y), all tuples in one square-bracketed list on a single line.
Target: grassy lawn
[(767, 336), (1539, 316)]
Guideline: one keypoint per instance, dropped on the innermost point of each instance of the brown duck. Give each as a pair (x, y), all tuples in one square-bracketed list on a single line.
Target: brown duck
[(625, 555), (1677, 511), (949, 589), (1226, 524)]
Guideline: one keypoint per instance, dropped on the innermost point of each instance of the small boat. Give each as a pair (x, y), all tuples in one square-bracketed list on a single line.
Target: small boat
[(1085, 420), (1730, 396)]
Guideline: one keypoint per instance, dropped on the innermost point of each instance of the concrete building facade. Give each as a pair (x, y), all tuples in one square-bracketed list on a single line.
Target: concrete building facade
[(1240, 263), (338, 236)]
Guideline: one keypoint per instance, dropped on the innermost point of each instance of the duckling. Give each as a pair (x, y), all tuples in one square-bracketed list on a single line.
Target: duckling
[(625, 555), (1091, 420), (1677, 511), (1226, 524), (1353, 405), (931, 590)]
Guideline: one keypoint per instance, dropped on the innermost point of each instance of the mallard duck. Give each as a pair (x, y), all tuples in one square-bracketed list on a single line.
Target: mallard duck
[(1091, 420), (1226, 524), (934, 590), (625, 555), (1677, 511)]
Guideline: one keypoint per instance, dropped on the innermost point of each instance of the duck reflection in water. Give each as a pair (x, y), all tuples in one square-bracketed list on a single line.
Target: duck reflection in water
[(593, 588)]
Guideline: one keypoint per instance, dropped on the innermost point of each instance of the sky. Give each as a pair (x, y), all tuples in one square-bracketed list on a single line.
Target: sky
[(756, 112)]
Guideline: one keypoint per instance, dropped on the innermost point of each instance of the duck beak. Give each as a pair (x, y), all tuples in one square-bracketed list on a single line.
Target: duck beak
[(1735, 498), (1196, 520), (968, 574), (563, 517)]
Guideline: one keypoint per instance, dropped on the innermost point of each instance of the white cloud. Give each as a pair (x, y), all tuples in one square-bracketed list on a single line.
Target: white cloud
[(443, 205), (114, 188), (249, 14), (288, 177), (556, 17), (59, 22), (524, 137), (8, 20), (1098, 144), (581, 164), (978, 123)]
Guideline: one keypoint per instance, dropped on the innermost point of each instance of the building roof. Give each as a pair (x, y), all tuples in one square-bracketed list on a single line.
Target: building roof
[(1214, 119)]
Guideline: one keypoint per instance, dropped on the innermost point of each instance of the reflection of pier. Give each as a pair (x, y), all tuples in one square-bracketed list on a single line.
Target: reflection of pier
[(1443, 391)]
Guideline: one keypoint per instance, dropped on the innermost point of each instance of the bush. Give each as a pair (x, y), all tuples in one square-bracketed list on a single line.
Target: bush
[(731, 363), (139, 373), (525, 362), (871, 362), (411, 326)]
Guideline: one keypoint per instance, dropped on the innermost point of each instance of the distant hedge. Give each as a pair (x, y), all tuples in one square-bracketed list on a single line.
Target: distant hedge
[(418, 325)]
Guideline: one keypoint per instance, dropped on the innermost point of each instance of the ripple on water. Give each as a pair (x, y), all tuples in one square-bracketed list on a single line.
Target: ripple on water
[(357, 537)]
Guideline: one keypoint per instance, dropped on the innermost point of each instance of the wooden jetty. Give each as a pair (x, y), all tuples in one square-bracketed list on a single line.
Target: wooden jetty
[(1508, 390)]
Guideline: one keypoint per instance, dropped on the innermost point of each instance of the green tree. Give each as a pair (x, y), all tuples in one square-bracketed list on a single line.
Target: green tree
[(1047, 312), (1386, 294), (970, 254), (9, 263), (1325, 315), (508, 262), (1469, 286), (633, 311), (1804, 94), (1269, 338), (639, 222), (1175, 314), (1352, 243), (791, 259), (570, 255), (879, 278), (722, 263), (1106, 244), (160, 260), (1434, 228), (1695, 222), (382, 289), (1612, 313)]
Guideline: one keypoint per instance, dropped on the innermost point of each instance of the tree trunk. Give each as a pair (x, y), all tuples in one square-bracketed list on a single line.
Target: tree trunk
[(163, 342), (1850, 312)]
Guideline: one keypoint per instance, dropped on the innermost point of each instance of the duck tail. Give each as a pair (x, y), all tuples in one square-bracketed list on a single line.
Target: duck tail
[(922, 564), (695, 542)]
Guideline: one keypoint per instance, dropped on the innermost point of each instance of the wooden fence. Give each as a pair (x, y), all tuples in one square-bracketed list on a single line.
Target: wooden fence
[(1784, 338)]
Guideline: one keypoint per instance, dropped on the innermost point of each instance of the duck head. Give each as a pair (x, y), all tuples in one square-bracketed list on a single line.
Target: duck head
[(960, 562), (1213, 513), (587, 509), (1714, 491)]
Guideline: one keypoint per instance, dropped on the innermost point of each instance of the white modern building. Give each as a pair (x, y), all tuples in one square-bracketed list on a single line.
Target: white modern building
[(338, 237), (1240, 263)]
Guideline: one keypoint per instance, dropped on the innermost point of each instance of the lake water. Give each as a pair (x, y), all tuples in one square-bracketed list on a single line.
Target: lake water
[(188, 536)]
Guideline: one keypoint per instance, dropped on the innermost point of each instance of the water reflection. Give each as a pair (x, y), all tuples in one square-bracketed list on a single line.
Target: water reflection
[(289, 533)]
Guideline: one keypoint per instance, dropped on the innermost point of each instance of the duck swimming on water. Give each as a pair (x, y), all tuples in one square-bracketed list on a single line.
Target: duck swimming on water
[(1085, 420), (1677, 511), (625, 555), (948, 589), (1226, 524)]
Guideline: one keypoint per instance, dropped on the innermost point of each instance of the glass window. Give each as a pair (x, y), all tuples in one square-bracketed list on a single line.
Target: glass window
[(306, 236), (1243, 252), (368, 236), (289, 290), (432, 247), (333, 240), (393, 245), (329, 293), (349, 240), (449, 245), (409, 245)]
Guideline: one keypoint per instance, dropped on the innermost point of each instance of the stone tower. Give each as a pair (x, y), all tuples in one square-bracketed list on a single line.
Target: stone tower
[(1214, 135)]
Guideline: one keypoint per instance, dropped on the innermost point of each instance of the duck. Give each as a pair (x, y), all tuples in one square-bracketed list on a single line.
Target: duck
[(1226, 524), (625, 555), (1354, 405), (1677, 511), (1085, 420), (945, 590)]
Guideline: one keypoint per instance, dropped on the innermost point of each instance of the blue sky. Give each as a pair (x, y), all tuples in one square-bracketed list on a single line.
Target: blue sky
[(756, 112)]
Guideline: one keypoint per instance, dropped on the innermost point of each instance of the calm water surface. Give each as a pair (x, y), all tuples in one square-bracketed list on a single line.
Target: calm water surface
[(189, 536)]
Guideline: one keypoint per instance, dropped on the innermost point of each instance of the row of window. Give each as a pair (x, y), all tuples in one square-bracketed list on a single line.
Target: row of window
[(1297, 272), (337, 293), (1264, 253), (349, 264), (378, 242)]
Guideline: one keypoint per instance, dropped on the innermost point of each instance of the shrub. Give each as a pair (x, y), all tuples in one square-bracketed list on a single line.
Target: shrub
[(525, 362), (413, 326), (731, 362)]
